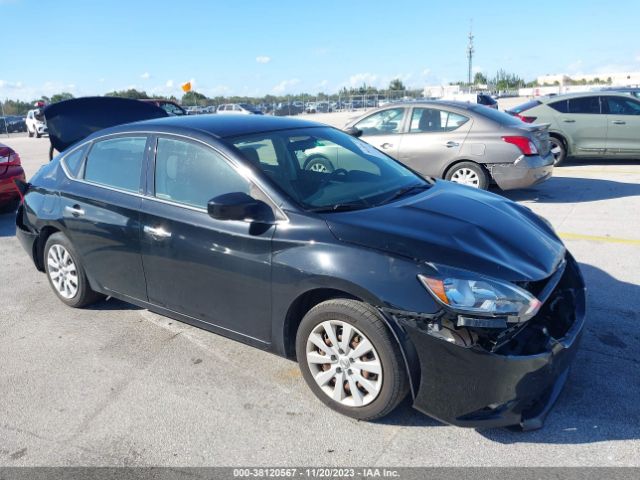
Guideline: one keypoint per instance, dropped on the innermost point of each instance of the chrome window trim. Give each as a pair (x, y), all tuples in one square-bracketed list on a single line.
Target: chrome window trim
[(240, 169)]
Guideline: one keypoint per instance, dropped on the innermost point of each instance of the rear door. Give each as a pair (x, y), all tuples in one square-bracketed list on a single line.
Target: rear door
[(383, 129), (218, 272), (584, 123), (101, 211), (623, 131), (433, 140)]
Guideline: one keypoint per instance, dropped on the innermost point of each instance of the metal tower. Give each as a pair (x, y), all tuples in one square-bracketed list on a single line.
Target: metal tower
[(470, 52)]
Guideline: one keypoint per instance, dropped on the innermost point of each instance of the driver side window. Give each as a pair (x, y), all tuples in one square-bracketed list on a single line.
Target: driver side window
[(193, 174), (385, 122)]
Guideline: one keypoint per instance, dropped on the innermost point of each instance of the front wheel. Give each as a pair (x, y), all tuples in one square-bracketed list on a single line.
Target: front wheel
[(66, 274), (350, 360), (29, 132), (319, 164), (468, 173)]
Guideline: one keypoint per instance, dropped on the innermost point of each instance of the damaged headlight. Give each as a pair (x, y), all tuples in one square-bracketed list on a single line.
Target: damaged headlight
[(466, 294)]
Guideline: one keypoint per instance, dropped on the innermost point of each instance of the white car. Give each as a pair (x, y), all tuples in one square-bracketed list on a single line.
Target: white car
[(239, 108), (36, 124)]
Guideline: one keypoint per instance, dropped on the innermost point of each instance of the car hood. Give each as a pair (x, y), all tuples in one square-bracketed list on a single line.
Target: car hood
[(73, 120), (459, 227)]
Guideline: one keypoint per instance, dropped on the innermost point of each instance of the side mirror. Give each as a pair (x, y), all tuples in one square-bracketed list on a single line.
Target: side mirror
[(240, 206), (353, 131)]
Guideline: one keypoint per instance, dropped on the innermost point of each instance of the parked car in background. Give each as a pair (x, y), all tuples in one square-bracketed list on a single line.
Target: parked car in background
[(35, 123), (593, 124), (379, 282), (479, 98), (635, 91), (10, 171), (172, 108), (462, 142), (287, 109), (12, 124), (238, 109)]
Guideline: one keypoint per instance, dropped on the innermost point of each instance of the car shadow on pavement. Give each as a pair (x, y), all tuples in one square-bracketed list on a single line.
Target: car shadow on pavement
[(112, 304), (7, 224), (573, 190), (600, 400)]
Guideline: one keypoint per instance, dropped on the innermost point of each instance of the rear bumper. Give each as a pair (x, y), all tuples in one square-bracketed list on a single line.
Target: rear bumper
[(516, 385), (524, 172)]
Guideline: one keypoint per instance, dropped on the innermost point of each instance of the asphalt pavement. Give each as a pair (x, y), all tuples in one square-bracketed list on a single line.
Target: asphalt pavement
[(116, 385)]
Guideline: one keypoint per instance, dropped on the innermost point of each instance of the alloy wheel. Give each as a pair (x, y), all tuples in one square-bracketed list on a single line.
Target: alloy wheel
[(556, 150), (62, 271), (466, 176), (318, 167), (344, 363)]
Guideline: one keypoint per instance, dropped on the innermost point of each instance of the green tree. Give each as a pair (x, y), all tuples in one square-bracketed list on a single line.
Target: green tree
[(479, 79), (194, 98), (506, 81), (396, 84), (131, 93), (59, 97)]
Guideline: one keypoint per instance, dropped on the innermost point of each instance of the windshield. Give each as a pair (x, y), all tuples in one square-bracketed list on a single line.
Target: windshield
[(323, 168)]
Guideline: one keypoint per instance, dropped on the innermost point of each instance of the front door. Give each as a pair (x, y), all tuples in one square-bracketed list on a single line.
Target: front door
[(583, 121), (623, 127), (383, 129), (214, 271), (433, 140)]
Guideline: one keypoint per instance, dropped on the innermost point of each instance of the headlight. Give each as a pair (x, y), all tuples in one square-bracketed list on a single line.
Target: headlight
[(479, 295)]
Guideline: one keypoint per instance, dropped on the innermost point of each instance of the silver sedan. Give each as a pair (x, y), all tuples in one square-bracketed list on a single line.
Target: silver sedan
[(465, 143)]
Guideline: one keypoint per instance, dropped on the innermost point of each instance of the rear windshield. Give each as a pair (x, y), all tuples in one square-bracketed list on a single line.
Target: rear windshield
[(525, 106), (498, 117)]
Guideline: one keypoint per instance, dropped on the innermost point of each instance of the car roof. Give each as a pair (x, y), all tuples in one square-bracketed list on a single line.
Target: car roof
[(567, 96), (224, 125)]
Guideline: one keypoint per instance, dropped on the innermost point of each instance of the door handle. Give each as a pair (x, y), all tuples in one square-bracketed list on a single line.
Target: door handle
[(569, 120), (386, 145), (451, 144), (156, 232), (76, 211), (619, 122)]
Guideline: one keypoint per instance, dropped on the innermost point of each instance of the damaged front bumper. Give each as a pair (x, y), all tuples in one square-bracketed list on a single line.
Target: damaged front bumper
[(524, 172), (514, 378)]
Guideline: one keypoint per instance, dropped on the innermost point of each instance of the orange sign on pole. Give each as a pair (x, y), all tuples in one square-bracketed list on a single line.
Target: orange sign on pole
[(186, 87)]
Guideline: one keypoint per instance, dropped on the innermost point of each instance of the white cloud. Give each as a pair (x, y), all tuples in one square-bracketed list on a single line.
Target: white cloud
[(285, 85), (477, 69), (169, 84), (220, 90), (426, 72), (637, 58), (263, 59), (145, 76), (359, 78), (101, 80), (323, 83)]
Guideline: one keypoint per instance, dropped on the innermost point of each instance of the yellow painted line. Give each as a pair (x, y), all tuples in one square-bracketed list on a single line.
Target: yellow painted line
[(595, 238)]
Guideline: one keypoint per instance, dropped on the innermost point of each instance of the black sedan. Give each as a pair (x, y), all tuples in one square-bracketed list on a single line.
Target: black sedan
[(379, 281)]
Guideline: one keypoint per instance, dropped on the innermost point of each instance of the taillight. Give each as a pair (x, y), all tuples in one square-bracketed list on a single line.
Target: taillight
[(525, 145), (8, 157), (526, 119)]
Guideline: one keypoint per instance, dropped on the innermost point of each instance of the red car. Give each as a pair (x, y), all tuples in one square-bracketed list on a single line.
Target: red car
[(10, 170)]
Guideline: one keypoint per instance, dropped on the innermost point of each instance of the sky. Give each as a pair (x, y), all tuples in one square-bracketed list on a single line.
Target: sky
[(254, 48)]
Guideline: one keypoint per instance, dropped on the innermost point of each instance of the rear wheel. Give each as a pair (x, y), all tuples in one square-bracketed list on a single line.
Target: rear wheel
[(350, 360), (468, 173), (558, 150), (29, 132), (66, 274)]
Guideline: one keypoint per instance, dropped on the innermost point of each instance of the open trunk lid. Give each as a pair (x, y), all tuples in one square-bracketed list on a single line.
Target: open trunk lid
[(73, 120)]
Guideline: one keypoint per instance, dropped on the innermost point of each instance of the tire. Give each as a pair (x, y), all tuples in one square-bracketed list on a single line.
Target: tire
[(384, 390), (468, 173), (558, 150), (319, 164), (29, 132), (38, 134), (82, 295)]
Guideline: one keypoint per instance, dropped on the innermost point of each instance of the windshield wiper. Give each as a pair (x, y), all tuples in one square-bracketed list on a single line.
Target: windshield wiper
[(339, 207), (405, 191)]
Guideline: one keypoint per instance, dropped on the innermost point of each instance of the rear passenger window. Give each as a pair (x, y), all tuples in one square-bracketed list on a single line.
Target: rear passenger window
[(560, 106), (584, 105), (193, 174), (116, 163), (424, 120), (73, 161)]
